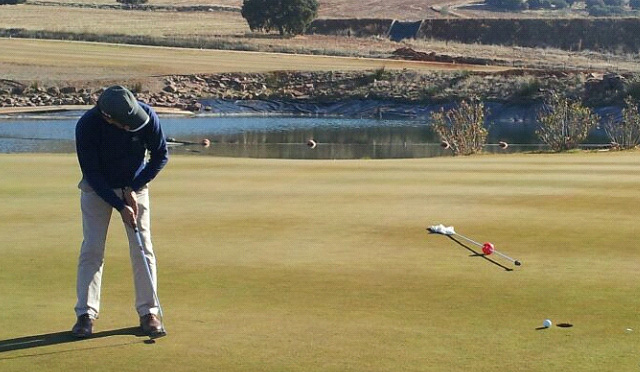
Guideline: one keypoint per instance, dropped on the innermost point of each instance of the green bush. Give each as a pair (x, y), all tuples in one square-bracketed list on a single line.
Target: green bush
[(548, 4), (559, 4), (605, 11), (508, 4), (528, 90), (626, 133), (132, 2), (12, 2), (592, 3), (564, 124), (462, 128), (633, 90), (615, 2), (286, 16)]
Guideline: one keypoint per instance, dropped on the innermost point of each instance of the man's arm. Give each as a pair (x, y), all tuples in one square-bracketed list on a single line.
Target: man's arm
[(158, 150), (87, 150)]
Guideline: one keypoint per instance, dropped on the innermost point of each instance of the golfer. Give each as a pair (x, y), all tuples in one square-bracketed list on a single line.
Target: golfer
[(112, 140)]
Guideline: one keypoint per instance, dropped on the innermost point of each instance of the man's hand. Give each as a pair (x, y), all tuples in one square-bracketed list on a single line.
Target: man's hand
[(130, 199), (128, 216)]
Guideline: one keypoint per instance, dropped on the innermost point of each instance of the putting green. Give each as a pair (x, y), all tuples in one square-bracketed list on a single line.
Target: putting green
[(282, 265)]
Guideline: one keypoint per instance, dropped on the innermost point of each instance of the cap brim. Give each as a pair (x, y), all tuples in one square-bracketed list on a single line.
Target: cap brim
[(135, 128), (136, 119)]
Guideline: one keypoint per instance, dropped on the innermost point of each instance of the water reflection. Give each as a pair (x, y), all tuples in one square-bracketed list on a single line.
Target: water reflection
[(272, 137)]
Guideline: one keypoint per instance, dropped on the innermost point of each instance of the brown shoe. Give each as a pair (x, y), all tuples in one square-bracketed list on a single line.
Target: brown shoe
[(83, 327), (152, 326)]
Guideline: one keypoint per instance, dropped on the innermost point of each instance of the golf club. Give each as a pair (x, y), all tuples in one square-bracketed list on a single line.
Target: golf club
[(487, 248), (162, 332)]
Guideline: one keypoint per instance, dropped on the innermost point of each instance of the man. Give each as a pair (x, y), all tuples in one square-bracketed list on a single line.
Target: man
[(112, 139)]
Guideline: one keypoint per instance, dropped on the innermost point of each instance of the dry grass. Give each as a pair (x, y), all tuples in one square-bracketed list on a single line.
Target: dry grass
[(159, 24), (58, 60), (401, 9), (534, 57)]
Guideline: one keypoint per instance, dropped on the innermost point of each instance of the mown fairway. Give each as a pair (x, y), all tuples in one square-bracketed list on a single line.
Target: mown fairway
[(280, 265), (44, 60)]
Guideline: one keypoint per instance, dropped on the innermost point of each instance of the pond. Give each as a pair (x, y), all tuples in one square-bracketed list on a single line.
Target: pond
[(274, 136)]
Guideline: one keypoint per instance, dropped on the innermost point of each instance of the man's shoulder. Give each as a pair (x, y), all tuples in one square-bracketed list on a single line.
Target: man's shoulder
[(154, 120), (89, 118), (147, 108)]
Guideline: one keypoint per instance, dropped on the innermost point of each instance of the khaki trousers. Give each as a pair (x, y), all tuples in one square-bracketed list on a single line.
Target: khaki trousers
[(96, 214)]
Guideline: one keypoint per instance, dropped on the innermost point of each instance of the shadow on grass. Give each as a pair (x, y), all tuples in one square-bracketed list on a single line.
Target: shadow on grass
[(30, 342), (479, 254)]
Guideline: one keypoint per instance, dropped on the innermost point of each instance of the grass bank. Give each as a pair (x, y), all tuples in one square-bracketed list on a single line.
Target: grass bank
[(276, 265), (47, 60)]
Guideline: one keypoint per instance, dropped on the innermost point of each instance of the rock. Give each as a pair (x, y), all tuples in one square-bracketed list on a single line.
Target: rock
[(197, 106), (170, 88)]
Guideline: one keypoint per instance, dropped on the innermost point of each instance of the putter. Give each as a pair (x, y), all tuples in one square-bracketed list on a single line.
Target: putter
[(163, 332), (487, 248)]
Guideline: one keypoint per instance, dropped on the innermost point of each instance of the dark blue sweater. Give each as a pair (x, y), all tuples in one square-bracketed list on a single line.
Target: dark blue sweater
[(112, 158)]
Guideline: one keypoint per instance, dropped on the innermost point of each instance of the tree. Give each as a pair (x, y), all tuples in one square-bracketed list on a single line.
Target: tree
[(605, 10), (619, 3), (591, 3), (564, 124), (625, 133), (461, 128), (508, 4), (132, 2), (548, 4), (285, 16), (559, 4)]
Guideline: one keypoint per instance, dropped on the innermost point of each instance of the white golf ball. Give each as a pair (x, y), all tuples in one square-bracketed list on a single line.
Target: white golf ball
[(547, 323)]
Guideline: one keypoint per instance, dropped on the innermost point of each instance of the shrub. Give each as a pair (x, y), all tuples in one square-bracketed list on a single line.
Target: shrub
[(633, 89), (132, 2), (559, 4), (548, 4), (508, 4), (626, 133), (528, 89), (615, 2), (537, 4), (12, 2), (592, 3), (462, 128), (287, 16), (605, 11), (564, 124)]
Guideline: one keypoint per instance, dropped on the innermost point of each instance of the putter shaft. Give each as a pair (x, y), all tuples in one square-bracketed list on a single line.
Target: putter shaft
[(146, 265), (516, 262)]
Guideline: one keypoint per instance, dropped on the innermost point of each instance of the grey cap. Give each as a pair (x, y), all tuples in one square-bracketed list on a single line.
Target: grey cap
[(119, 104)]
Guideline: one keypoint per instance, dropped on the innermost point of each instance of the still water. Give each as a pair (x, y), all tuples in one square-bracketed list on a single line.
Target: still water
[(268, 136)]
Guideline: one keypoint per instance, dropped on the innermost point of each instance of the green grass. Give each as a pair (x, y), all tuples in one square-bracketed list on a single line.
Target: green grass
[(282, 265)]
